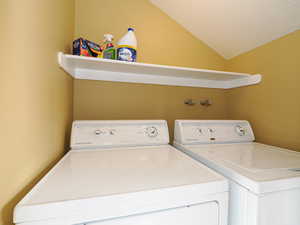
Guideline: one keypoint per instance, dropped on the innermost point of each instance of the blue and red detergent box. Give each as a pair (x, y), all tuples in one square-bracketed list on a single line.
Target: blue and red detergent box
[(84, 47)]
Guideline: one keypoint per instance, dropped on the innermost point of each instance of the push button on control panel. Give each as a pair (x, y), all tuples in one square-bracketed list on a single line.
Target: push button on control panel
[(212, 132), (102, 132), (200, 131), (98, 132), (112, 132)]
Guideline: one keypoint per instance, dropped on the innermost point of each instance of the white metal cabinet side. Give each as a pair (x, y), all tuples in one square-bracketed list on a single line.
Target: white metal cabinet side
[(205, 213)]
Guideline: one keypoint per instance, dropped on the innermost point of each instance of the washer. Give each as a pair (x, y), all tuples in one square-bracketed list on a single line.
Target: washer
[(125, 173), (264, 180)]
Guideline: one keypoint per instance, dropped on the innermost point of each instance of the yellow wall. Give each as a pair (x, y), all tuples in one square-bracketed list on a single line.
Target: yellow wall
[(273, 107), (35, 95), (161, 41), (108, 100)]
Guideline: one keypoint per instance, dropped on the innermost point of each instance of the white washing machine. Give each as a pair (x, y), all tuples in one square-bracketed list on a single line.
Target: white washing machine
[(264, 180), (125, 173)]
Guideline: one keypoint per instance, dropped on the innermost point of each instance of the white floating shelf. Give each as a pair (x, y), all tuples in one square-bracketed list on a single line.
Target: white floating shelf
[(89, 68)]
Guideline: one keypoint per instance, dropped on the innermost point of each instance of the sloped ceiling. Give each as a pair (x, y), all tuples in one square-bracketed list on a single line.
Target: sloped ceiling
[(232, 27)]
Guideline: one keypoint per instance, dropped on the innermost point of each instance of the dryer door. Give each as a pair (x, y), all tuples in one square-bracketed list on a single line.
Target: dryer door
[(200, 214)]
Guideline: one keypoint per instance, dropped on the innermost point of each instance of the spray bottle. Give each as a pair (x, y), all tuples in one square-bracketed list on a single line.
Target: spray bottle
[(108, 49)]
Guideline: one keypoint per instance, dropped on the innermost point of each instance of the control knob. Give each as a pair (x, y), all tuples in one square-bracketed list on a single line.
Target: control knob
[(240, 130), (151, 131), (98, 132)]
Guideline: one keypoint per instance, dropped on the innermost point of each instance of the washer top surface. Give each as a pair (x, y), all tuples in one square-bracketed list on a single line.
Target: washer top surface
[(257, 161), (89, 173), (227, 146)]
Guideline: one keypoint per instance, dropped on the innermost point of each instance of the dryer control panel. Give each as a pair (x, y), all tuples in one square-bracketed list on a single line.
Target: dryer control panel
[(115, 133), (212, 131)]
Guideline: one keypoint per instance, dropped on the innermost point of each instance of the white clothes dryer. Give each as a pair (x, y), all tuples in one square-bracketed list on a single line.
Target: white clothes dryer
[(125, 173)]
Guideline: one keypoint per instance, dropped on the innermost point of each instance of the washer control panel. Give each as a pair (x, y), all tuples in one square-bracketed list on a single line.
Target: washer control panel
[(212, 131), (91, 134)]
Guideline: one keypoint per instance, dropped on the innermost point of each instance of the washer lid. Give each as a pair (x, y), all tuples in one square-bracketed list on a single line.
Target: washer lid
[(110, 177), (260, 168)]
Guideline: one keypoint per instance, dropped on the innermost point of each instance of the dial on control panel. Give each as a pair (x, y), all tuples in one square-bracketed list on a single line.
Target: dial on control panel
[(240, 130), (151, 131)]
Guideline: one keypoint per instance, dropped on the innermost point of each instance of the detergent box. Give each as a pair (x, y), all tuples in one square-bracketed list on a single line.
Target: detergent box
[(83, 47)]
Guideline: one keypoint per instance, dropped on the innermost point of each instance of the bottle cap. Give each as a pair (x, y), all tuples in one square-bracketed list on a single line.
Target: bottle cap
[(130, 29), (108, 37)]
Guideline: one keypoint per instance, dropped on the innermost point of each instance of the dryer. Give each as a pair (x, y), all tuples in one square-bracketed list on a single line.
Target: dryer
[(264, 179), (125, 173)]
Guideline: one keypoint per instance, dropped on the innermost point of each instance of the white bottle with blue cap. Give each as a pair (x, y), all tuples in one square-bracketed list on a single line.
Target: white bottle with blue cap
[(127, 46)]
